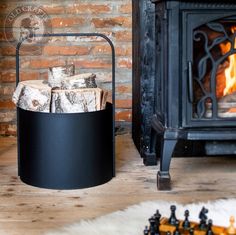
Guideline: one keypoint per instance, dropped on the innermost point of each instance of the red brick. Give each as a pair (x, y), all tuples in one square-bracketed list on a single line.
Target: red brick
[(125, 63), (125, 115), (7, 76), (52, 9), (9, 116), (124, 88), (10, 76), (106, 50), (101, 49), (44, 63), (124, 51), (7, 104), (124, 104), (7, 63), (7, 50), (97, 64), (123, 36), (30, 50), (4, 9), (2, 22), (24, 50), (67, 22), (6, 36), (7, 90), (65, 50), (126, 8), (111, 22), (7, 129), (88, 9), (28, 75)]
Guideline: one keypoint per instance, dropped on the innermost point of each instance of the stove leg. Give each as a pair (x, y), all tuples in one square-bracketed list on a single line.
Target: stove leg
[(163, 175)]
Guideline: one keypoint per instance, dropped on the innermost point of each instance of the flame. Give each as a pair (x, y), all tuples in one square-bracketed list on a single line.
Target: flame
[(230, 71)]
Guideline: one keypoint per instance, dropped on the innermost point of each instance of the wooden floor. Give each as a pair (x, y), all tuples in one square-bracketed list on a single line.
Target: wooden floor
[(28, 210)]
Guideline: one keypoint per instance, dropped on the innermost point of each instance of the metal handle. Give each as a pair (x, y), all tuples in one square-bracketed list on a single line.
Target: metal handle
[(71, 35), (190, 81)]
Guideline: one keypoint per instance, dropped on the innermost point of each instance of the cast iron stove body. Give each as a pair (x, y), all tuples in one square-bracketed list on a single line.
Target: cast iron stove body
[(195, 81)]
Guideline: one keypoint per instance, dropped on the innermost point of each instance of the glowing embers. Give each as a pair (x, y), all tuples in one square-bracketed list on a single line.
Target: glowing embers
[(227, 101), (230, 71)]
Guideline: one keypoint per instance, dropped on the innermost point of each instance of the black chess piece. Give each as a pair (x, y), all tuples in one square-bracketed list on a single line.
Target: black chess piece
[(209, 228), (157, 217), (152, 227), (186, 223), (172, 219), (203, 218), (177, 232), (146, 231)]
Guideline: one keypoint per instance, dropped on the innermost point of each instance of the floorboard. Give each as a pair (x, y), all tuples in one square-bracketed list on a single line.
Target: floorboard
[(29, 210)]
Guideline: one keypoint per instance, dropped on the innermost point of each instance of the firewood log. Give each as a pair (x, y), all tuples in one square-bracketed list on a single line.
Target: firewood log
[(84, 80), (104, 99), (33, 95), (57, 74), (76, 100)]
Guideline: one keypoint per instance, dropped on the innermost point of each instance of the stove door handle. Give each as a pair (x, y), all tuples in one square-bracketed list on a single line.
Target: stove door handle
[(190, 81)]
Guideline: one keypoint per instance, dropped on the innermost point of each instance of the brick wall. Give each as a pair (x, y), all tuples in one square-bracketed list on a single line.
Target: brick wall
[(113, 18)]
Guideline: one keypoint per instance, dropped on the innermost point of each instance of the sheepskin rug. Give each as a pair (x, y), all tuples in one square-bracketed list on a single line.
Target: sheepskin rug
[(133, 219)]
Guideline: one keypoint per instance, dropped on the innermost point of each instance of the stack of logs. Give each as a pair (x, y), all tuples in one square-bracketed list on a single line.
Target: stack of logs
[(63, 92)]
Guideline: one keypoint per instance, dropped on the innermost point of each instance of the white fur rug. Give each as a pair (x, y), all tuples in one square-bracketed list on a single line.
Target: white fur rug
[(132, 220)]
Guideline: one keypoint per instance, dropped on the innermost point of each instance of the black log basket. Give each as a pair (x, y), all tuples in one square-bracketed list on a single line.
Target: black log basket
[(67, 150)]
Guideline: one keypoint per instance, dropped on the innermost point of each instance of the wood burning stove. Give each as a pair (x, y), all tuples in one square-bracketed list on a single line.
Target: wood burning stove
[(192, 96)]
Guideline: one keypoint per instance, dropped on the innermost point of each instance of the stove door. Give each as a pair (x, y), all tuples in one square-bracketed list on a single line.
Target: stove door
[(209, 69)]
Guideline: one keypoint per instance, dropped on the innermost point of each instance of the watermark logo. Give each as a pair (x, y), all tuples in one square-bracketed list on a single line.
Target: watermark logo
[(25, 24)]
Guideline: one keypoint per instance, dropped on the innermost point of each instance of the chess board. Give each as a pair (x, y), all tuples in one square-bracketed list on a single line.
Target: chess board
[(172, 226)]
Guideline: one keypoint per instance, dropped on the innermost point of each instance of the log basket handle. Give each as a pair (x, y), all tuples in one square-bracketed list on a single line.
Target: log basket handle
[(112, 68)]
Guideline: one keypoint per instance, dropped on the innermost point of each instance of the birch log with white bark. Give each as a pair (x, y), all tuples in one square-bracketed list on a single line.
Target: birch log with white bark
[(33, 95), (84, 80), (76, 100), (57, 74)]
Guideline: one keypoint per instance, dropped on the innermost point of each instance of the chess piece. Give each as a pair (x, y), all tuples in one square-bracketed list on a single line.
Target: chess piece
[(157, 217), (146, 231), (209, 228), (186, 223), (172, 219), (203, 218), (176, 232), (231, 229), (152, 227), (168, 233)]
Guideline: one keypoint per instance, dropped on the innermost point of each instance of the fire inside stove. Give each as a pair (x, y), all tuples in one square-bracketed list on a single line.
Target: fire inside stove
[(214, 71)]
